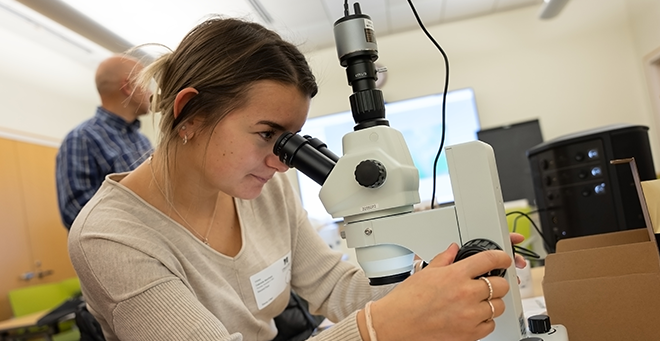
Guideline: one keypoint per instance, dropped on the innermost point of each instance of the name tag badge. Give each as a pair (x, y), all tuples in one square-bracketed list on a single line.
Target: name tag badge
[(271, 281)]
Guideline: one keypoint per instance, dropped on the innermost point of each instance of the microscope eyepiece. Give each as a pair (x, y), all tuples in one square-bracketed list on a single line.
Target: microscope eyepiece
[(298, 152), (322, 147)]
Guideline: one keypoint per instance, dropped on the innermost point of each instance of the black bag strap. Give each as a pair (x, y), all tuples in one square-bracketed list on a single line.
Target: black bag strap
[(305, 310), (89, 327), (296, 323)]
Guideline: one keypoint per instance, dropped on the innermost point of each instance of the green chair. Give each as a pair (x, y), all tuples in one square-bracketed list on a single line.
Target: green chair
[(43, 297), (40, 297), (71, 286)]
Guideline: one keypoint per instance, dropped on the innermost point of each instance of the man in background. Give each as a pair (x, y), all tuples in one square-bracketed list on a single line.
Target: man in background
[(109, 142)]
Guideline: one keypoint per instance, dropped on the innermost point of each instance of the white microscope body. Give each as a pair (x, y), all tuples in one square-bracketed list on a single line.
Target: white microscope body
[(385, 232), (380, 223), (375, 184)]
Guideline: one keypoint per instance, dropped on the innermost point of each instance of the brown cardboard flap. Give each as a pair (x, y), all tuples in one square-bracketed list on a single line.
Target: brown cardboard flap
[(643, 198), (618, 260), (651, 190), (607, 309), (606, 287), (604, 239)]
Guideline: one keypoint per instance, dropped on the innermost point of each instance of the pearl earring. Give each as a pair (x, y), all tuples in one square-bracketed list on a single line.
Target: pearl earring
[(185, 136)]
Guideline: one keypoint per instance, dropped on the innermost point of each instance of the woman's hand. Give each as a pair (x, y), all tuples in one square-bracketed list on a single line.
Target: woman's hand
[(444, 301), (517, 238)]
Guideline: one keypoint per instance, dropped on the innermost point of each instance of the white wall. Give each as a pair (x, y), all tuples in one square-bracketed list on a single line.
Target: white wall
[(46, 84), (42, 92), (644, 18), (580, 70), (577, 71)]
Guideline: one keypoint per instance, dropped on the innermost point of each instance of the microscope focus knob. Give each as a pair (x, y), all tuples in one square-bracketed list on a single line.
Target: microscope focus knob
[(539, 324), (370, 173)]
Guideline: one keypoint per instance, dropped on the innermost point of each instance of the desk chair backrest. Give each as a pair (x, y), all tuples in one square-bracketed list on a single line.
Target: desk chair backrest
[(42, 297)]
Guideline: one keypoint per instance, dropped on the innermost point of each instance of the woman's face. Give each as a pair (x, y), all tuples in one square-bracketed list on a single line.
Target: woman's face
[(240, 159)]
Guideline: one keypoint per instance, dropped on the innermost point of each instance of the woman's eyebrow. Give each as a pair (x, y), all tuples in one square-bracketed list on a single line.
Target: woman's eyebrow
[(272, 124), (277, 126)]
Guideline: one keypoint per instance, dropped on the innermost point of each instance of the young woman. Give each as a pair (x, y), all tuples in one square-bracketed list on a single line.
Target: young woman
[(205, 239)]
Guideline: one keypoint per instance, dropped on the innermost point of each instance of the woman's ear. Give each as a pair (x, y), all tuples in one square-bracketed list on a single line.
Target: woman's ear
[(182, 99)]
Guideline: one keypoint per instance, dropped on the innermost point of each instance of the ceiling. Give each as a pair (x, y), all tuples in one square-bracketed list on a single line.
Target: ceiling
[(305, 22)]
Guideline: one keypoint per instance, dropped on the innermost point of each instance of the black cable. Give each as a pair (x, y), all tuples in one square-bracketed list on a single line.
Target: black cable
[(517, 248), (525, 252), (515, 221), (520, 214), (444, 97), (547, 244), (345, 8)]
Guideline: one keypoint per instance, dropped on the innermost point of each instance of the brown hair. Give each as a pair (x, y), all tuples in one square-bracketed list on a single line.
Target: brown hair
[(221, 58)]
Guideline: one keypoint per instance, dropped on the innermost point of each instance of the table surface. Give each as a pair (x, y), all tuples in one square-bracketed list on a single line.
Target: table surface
[(537, 280), (31, 319), (22, 322)]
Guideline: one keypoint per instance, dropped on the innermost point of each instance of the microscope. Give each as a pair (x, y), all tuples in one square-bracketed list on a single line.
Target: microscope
[(374, 187)]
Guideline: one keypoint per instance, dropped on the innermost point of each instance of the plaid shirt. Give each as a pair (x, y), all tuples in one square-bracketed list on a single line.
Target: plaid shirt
[(100, 146)]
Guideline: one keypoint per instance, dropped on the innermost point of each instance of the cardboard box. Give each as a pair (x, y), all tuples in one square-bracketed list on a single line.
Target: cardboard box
[(606, 287)]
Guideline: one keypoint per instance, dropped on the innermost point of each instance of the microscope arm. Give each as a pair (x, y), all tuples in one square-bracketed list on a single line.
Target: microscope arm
[(478, 213)]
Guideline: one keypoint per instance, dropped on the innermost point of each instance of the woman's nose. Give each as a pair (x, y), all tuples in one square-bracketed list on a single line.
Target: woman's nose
[(273, 161)]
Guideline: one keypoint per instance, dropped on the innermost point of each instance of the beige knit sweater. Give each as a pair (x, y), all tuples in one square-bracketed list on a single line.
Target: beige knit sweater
[(145, 277)]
